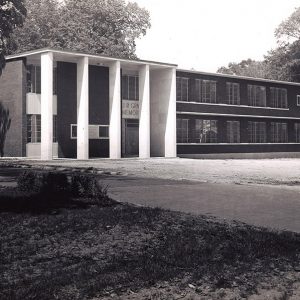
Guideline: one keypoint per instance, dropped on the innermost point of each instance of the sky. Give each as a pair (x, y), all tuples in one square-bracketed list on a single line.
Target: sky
[(207, 34)]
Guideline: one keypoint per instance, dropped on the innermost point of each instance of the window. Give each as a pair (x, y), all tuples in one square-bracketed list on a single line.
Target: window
[(54, 129), (298, 100), (233, 131), (34, 79), (257, 132), (95, 131), (279, 132), (233, 93), (297, 132), (278, 97), (130, 87), (34, 129), (206, 131), (182, 130), (256, 95), (205, 91), (182, 89), (73, 131), (209, 90), (103, 131)]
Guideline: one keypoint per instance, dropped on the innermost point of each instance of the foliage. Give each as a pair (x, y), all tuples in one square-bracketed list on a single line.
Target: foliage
[(88, 186), (107, 27), (45, 183), (57, 186), (12, 14), (249, 68), (5, 122)]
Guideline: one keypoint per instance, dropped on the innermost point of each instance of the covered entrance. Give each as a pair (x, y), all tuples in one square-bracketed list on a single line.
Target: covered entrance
[(131, 128)]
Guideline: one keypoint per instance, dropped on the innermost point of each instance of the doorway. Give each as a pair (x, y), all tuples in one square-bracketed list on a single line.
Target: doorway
[(131, 144)]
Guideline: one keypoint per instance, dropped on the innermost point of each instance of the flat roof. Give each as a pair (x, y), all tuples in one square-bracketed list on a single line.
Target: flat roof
[(80, 54), (239, 77), (140, 61)]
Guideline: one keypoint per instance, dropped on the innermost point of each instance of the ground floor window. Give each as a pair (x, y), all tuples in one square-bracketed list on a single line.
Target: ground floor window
[(297, 132), (182, 130), (34, 129), (206, 131), (233, 131), (257, 132), (279, 133)]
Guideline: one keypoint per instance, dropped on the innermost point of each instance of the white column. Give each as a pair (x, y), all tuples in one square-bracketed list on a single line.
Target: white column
[(144, 112), (83, 108), (115, 110), (170, 133), (46, 105)]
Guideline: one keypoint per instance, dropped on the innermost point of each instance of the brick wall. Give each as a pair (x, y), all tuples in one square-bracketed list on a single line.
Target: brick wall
[(13, 98)]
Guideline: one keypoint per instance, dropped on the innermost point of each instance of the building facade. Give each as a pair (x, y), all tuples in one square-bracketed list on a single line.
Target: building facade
[(74, 105)]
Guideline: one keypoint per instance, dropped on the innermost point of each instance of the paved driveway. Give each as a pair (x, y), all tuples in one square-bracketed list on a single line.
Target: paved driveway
[(261, 205), (253, 191)]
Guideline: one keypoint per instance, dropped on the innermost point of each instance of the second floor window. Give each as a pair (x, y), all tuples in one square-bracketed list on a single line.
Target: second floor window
[(182, 89), (206, 131), (233, 93), (130, 87), (257, 132), (278, 97), (256, 95), (34, 79), (205, 91), (233, 131), (279, 132)]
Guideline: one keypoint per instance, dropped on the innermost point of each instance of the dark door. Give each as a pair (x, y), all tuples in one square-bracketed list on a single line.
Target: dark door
[(132, 138)]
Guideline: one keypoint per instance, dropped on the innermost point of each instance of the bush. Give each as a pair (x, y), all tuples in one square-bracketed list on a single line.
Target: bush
[(50, 183), (57, 186), (29, 181), (88, 186)]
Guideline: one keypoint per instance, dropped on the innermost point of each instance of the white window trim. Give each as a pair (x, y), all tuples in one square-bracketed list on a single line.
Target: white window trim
[(298, 100), (234, 105), (99, 138)]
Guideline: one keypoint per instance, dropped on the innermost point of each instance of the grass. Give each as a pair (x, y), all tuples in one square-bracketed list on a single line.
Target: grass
[(92, 252)]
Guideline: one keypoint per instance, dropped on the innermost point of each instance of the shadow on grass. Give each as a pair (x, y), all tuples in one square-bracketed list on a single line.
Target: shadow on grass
[(12, 200)]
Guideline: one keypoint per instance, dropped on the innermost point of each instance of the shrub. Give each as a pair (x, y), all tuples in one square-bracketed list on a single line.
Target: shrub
[(56, 186), (46, 183), (83, 185), (29, 181)]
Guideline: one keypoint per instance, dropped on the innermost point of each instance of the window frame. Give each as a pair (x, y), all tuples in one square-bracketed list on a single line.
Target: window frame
[(254, 133), (204, 124), (253, 94), (183, 139), (230, 93), (230, 134), (277, 135), (179, 87)]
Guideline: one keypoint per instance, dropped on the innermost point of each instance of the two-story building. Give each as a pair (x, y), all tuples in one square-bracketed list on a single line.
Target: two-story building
[(75, 105)]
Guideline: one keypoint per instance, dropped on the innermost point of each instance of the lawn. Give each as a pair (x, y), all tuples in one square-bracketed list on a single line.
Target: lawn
[(128, 252)]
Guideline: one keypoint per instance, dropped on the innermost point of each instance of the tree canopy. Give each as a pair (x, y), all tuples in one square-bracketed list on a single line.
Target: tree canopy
[(249, 68), (12, 14), (108, 27)]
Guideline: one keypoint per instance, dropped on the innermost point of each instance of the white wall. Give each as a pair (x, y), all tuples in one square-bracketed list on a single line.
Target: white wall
[(33, 104), (33, 150), (163, 112)]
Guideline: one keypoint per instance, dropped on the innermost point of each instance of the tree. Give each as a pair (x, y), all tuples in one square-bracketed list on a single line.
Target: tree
[(249, 68), (108, 27), (4, 127), (284, 61), (12, 14)]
